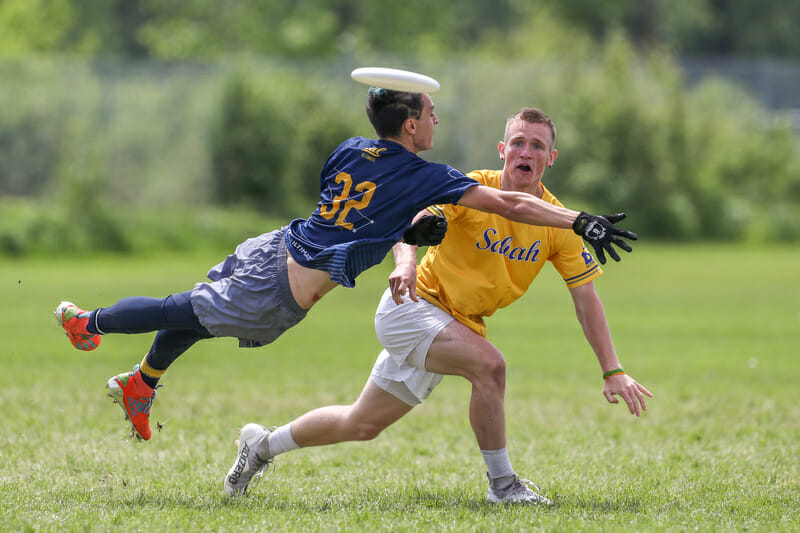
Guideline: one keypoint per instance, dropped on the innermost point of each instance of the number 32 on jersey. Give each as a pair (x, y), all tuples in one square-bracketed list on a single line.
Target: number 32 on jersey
[(342, 203)]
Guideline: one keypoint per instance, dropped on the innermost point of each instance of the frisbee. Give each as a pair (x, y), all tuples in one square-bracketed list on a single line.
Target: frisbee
[(395, 80)]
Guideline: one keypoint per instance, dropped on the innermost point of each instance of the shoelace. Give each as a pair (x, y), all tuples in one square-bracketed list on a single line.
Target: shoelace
[(149, 403), (521, 488), (529, 482), (261, 469)]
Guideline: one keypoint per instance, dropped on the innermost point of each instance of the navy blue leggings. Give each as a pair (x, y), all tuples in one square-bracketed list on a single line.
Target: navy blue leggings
[(172, 317)]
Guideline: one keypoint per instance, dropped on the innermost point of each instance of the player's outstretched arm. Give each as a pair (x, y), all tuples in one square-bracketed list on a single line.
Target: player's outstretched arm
[(592, 318), (599, 231), (518, 206)]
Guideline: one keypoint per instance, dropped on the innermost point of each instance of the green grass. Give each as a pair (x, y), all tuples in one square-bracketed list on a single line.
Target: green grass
[(713, 332)]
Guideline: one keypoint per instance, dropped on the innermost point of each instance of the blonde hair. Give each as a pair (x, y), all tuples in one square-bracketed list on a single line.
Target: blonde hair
[(534, 116)]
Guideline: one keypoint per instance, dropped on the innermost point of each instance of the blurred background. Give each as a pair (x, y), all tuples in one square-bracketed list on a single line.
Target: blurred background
[(137, 125)]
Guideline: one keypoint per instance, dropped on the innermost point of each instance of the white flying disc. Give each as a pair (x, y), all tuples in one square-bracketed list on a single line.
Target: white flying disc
[(395, 80)]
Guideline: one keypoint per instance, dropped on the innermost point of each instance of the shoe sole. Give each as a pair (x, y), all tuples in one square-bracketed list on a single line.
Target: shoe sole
[(492, 498), (116, 394), (519, 501)]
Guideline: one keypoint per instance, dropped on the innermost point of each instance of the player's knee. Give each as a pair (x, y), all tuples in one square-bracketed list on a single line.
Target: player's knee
[(493, 372), (361, 428), (366, 430)]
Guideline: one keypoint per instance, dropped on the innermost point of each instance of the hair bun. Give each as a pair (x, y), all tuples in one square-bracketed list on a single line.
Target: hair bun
[(382, 96)]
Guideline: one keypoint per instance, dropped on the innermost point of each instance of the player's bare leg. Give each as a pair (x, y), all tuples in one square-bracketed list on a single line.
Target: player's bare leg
[(373, 411), (458, 350)]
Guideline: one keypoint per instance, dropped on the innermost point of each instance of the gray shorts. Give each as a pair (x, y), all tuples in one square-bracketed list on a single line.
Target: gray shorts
[(249, 295)]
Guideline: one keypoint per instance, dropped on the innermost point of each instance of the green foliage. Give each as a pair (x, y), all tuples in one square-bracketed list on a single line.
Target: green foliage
[(685, 164), (204, 29), (28, 151), (103, 140), (273, 136), (117, 140), (84, 223), (250, 144), (699, 27), (34, 25), (147, 126)]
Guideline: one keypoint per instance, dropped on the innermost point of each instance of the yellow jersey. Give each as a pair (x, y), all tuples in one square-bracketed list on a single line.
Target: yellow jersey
[(486, 262)]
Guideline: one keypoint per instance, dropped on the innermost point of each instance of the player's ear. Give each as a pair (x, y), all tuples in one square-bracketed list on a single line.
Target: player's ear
[(553, 156), (410, 126), (501, 147)]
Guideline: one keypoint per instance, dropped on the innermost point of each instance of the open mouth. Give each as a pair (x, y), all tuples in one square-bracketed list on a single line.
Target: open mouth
[(524, 167)]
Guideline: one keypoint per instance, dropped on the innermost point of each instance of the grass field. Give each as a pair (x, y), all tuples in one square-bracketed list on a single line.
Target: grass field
[(713, 332)]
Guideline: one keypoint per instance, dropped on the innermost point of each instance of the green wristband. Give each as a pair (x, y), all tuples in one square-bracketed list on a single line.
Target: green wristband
[(613, 373)]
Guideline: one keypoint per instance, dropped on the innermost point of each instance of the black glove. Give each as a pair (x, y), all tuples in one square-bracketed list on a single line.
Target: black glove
[(600, 232), (427, 231)]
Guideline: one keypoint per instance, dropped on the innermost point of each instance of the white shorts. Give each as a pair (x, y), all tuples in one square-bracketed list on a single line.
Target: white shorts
[(406, 332)]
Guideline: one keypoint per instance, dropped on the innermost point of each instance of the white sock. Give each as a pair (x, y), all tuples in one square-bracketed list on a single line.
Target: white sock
[(281, 441), (498, 463)]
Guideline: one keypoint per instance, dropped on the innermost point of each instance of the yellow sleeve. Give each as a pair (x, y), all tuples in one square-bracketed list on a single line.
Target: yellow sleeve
[(573, 261)]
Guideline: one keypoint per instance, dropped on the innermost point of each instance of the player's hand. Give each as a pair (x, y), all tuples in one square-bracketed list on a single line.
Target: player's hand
[(427, 231), (629, 390), (601, 233), (402, 278)]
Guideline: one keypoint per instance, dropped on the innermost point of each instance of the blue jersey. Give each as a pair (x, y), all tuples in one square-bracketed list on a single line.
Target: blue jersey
[(370, 192)]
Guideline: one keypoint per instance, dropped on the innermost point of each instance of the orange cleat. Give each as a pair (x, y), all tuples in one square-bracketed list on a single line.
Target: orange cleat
[(74, 320), (136, 398)]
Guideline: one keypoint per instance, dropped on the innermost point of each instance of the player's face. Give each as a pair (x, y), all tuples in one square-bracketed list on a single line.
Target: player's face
[(526, 153), (425, 125)]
